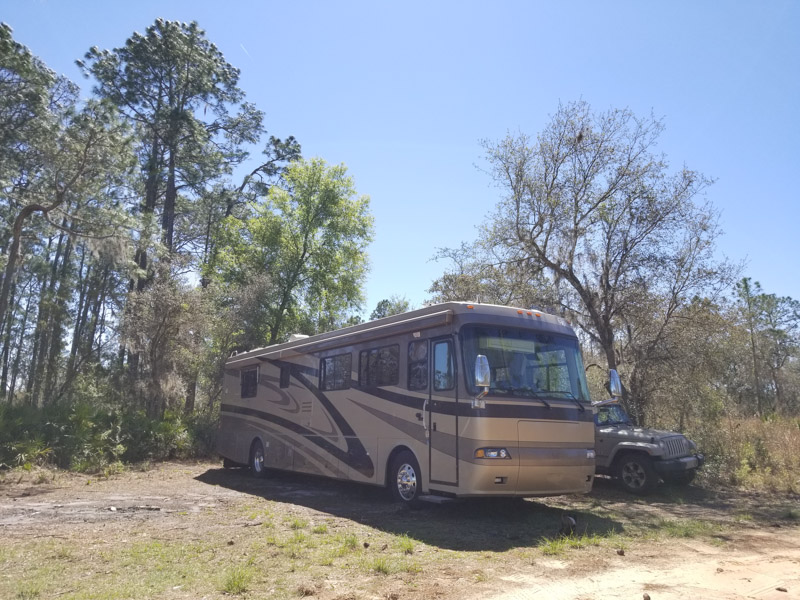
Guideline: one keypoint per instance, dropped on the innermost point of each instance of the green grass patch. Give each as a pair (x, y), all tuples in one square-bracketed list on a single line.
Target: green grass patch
[(560, 545), (237, 580), (688, 528), (405, 544), (349, 542), (382, 565)]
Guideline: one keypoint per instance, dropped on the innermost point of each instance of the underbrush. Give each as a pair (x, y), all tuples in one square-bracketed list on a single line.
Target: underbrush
[(86, 438), (753, 453)]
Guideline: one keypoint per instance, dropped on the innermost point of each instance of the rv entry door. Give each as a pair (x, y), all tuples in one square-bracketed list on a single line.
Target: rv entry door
[(443, 414)]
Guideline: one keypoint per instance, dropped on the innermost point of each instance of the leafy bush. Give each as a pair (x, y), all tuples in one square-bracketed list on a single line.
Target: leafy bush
[(755, 453), (90, 438)]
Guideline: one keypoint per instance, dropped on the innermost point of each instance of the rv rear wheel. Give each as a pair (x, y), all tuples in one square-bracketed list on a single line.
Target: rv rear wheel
[(257, 459), (405, 479)]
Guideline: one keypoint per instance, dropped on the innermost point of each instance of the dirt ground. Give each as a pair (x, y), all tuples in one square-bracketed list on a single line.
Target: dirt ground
[(193, 530)]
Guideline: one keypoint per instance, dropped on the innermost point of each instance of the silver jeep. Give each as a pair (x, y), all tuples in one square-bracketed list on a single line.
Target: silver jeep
[(640, 457)]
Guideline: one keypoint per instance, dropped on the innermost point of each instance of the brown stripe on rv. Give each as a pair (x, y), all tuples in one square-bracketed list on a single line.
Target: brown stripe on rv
[(355, 456)]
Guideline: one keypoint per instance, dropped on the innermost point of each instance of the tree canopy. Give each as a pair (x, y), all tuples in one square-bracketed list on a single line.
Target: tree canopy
[(307, 243), (594, 223)]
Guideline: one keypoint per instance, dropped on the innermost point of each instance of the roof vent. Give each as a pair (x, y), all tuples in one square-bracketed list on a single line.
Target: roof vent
[(295, 337)]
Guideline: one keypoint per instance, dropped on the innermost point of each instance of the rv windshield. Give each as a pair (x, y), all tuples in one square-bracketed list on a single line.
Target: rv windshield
[(526, 363)]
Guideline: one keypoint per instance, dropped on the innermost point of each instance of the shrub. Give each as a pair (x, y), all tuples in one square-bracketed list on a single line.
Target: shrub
[(91, 438)]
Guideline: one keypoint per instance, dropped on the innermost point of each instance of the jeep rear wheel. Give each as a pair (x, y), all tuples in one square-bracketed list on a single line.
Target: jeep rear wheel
[(636, 473)]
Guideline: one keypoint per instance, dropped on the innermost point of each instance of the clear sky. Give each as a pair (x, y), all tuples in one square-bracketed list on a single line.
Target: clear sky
[(404, 92)]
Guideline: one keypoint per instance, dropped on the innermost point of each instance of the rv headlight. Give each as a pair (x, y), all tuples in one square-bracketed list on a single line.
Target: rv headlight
[(590, 454), (492, 453)]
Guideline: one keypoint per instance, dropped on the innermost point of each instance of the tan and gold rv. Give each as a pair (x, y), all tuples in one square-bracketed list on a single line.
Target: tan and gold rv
[(454, 400)]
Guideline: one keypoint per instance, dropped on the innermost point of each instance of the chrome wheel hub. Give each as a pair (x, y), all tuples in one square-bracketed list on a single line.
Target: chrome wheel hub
[(258, 461), (407, 482)]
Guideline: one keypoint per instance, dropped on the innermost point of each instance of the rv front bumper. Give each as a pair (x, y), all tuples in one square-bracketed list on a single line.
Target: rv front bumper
[(530, 472)]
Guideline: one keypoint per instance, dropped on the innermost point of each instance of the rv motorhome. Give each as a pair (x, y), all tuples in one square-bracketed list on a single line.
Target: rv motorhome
[(454, 399)]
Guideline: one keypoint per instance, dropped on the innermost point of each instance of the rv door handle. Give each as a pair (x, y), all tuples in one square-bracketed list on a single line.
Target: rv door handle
[(419, 416)]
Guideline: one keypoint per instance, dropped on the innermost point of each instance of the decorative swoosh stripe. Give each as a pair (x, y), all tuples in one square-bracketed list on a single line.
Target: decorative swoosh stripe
[(356, 455)]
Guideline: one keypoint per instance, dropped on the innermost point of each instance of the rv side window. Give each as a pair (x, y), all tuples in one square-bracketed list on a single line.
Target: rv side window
[(285, 376), (443, 369), (249, 382), (334, 372), (379, 366), (418, 365)]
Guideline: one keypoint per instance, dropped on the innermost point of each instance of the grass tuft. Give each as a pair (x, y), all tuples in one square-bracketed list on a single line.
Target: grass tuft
[(560, 545), (689, 528), (237, 580), (381, 565), (29, 592), (406, 544), (350, 542)]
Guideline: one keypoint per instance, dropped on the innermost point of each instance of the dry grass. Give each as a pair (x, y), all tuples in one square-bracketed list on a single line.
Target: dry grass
[(759, 454), (293, 536)]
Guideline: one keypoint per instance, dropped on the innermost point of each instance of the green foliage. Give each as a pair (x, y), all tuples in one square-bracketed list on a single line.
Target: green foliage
[(88, 438), (305, 250), (393, 306)]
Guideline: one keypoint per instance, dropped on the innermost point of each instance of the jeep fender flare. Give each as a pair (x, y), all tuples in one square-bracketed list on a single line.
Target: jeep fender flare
[(626, 447)]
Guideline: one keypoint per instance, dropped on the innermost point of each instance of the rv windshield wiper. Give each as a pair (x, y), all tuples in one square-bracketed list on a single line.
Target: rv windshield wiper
[(527, 391), (570, 396)]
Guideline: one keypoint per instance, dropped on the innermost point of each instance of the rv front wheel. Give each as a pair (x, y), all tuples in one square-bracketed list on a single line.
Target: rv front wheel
[(257, 459), (405, 479)]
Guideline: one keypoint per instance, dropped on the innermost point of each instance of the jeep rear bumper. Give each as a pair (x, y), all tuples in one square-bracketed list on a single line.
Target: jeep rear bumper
[(678, 465)]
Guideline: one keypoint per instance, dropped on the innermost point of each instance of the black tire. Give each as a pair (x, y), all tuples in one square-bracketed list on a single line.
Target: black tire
[(636, 473), (405, 479), (681, 479), (257, 460)]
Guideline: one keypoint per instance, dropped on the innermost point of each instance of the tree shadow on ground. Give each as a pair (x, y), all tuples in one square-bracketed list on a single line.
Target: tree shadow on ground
[(697, 502), (491, 524)]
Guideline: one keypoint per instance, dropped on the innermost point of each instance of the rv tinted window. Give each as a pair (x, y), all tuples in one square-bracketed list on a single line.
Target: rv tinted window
[(334, 372), (249, 381), (379, 366), (418, 365), (285, 376), (443, 368)]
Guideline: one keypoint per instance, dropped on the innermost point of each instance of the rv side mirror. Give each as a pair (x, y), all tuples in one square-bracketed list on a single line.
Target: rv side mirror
[(483, 375), (614, 384), (483, 379)]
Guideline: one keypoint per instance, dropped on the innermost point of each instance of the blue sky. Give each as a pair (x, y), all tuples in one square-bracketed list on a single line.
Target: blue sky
[(403, 93)]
